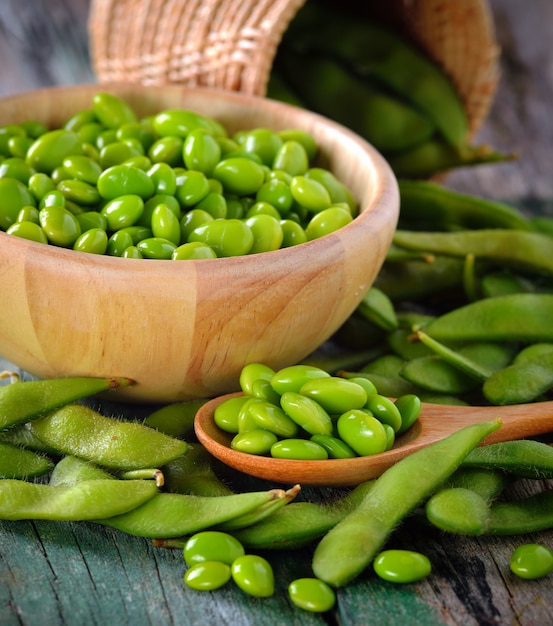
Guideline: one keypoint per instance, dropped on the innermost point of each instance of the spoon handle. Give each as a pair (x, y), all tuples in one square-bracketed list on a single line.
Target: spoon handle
[(519, 420)]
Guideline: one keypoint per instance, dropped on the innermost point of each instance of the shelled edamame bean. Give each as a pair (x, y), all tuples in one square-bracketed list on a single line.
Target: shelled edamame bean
[(174, 185), (302, 412)]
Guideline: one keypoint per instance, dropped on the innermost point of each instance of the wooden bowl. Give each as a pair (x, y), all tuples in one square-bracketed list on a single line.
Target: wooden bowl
[(184, 330)]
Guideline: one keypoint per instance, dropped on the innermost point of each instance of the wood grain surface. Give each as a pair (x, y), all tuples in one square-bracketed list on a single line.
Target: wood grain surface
[(62, 574)]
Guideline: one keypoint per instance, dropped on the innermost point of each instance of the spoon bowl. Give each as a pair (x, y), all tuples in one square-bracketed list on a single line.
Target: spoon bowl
[(434, 423)]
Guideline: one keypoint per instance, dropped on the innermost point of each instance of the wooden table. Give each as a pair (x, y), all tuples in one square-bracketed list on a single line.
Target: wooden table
[(86, 575)]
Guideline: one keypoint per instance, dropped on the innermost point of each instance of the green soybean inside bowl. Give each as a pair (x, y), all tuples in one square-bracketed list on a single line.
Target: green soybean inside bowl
[(184, 329)]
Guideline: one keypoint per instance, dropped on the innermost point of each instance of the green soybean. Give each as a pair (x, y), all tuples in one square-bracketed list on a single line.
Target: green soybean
[(306, 413), (531, 561), (121, 180), (15, 196), (335, 394), (293, 377), (409, 407), (123, 211), (111, 110), (228, 237), (28, 230), (239, 175), (311, 594), (252, 372), (267, 233), (335, 448), (362, 432), (385, 410), (327, 221), (212, 545), (50, 149), (93, 241), (201, 151), (298, 449), (402, 566), (254, 575), (165, 224), (273, 418), (180, 122), (207, 575), (254, 441)]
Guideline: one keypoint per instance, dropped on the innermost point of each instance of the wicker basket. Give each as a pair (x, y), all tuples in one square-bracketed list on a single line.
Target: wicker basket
[(231, 44)]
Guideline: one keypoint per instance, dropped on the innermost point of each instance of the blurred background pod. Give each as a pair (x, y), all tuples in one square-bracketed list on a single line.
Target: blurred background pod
[(232, 45)]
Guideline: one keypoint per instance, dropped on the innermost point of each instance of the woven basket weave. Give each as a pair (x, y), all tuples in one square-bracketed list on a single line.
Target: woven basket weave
[(231, 44)]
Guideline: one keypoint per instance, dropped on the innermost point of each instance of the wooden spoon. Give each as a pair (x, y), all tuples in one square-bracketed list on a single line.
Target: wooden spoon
[(435, 422)]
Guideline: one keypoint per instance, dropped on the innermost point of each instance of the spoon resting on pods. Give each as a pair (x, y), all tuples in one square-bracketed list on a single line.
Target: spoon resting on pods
[(435, 422)]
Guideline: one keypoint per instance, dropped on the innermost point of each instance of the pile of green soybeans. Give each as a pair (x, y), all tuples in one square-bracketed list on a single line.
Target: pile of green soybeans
[(174, 185), (61, 459), (302, 412)]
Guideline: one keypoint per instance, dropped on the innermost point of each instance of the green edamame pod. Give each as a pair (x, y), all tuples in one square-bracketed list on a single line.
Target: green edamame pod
[(70, 470), (528, 515), (509, 247), (521, 382), (329, 88), (300, 523), (377, 307), (337, 558), (192, 474), (427, 203), (523, 457), (174, 515), (85, 500), (175, 419), (15, 196), (23, 401), (462, 505), (373, 51), (81, 431), (458, 510), (522, 317), (16, 462), (435, 374), (437, 155)]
